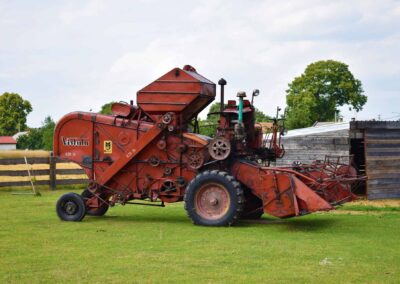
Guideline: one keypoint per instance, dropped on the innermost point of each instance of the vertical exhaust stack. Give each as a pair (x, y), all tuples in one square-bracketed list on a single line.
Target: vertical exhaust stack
[(222, 83)]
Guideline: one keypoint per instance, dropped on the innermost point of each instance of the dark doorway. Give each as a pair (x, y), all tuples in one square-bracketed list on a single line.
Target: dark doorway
[(357, 147)]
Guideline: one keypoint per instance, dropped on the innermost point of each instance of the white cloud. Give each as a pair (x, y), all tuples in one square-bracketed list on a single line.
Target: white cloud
[(75, 11), (81, 54)]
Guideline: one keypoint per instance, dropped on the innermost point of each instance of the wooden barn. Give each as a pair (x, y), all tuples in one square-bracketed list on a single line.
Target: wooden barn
[(375, 146)]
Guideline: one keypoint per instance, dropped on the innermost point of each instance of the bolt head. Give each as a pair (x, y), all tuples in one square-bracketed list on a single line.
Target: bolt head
[(214, 201)]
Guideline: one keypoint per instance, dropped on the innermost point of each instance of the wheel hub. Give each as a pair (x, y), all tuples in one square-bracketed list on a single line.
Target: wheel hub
[(70, 207), (213, 201)]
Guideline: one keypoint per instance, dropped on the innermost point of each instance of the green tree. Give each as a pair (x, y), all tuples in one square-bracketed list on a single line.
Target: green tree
[(33, 140), (261, 117), (319, 91), (208, 126), (13, 112), (38, 138), (106, 108), (47, 130)]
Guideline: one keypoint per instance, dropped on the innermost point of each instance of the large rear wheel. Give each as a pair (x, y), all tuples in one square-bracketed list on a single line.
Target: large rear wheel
[(214, 198)]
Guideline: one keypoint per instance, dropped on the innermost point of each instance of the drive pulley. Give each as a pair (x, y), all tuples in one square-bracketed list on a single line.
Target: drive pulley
[(219, 148)]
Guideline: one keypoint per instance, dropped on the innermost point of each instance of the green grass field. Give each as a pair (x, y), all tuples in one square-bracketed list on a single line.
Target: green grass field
[(137, 244)]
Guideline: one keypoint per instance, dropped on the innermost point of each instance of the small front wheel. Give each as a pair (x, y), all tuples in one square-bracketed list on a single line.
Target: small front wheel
[(70, 207)]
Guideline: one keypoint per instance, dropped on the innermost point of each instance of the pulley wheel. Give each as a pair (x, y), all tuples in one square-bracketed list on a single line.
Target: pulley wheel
[(167, 171), (168, 186), (219, 148), (167, 118), (195, 160), (154, 161)]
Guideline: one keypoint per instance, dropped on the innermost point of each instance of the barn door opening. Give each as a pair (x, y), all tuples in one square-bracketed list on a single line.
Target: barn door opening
[(357, 147)]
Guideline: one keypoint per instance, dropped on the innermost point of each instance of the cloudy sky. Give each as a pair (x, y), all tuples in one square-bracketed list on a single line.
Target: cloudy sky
[(77, 55)]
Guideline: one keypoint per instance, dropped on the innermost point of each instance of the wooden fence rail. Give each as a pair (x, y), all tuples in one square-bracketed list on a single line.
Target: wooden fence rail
[(52, 172)]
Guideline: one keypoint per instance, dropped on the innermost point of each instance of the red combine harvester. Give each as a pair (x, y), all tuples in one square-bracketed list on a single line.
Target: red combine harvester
[(152, 152)]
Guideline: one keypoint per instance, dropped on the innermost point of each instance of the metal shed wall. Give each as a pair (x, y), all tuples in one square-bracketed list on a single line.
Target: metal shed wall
[(308, 148)]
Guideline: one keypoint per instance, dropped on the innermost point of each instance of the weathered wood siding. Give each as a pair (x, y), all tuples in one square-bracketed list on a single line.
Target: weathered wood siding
[(382, 154), (307, 149)]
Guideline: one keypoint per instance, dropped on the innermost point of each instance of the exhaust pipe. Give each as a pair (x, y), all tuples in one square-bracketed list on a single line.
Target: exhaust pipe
[(222, 83)]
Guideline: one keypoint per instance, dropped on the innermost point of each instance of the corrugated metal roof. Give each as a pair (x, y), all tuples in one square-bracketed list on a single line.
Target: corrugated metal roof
[(370, 124), (319, 129), (7, 140)]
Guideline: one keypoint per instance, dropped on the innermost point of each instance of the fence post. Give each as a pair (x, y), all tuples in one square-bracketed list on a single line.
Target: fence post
[(53, 168)]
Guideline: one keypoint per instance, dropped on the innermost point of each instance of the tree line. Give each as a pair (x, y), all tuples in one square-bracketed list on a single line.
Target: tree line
[(315, 95), (13, 113)]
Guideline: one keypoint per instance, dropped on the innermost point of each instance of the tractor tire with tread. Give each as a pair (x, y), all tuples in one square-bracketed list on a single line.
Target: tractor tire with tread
[(214, 198)]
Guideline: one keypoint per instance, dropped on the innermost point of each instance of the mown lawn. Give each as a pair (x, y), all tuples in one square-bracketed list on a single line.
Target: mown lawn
[(137, 244)]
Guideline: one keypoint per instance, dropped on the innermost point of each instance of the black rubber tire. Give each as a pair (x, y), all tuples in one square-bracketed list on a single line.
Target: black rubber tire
[(253, 206), (233, 188), (70, 207), (94, 212)]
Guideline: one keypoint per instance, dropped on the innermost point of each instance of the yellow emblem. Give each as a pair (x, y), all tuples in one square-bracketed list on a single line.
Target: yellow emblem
[(107, 147)]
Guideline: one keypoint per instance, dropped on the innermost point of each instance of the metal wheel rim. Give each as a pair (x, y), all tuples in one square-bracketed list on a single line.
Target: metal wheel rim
[(212, 201), (70, 207)]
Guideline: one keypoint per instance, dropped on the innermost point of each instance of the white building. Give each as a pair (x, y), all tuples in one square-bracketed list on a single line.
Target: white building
[(7, 143)]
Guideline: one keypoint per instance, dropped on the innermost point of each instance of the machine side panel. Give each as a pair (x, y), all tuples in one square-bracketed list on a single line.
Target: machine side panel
[(74, 142)]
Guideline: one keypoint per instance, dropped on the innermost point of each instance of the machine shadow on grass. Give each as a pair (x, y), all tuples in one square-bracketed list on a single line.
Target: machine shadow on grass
[(139, 219), (309, 224), (297, 224)]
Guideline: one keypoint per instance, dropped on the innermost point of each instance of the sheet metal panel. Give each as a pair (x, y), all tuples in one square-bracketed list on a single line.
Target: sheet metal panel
[(307, 149)]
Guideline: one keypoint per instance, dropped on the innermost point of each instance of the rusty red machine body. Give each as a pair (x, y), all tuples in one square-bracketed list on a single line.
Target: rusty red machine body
[(153, 152)]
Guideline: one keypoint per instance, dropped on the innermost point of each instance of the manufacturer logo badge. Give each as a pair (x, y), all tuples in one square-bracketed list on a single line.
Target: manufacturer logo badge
[(107, 147), (75, 141)]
